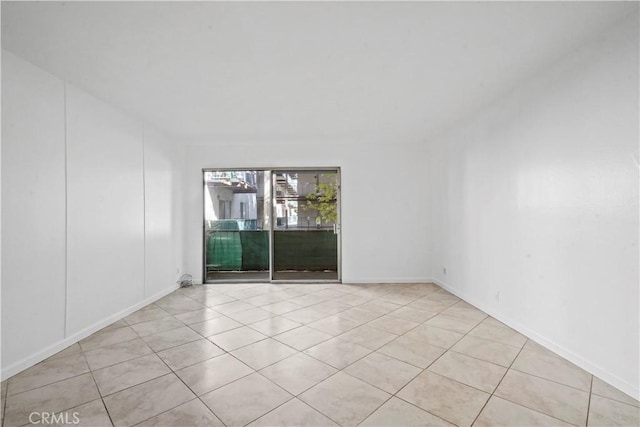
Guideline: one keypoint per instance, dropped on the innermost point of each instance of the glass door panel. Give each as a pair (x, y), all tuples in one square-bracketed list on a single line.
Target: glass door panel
[(305, 224), (236, 229)]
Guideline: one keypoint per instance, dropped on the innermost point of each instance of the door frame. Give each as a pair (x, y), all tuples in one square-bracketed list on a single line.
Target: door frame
[(271, 195)]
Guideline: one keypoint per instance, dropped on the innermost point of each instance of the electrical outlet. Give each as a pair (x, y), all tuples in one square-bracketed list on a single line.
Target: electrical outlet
[(444, 270), (497, 296)]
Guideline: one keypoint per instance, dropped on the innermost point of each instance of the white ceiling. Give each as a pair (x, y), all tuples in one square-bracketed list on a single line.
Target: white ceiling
[(362, 72)]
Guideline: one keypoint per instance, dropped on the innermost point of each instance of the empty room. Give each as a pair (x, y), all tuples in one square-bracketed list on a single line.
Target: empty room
[(320, 213)]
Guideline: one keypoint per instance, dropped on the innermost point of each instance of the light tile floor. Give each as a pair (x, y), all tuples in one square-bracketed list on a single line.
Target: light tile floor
[(311, 355)]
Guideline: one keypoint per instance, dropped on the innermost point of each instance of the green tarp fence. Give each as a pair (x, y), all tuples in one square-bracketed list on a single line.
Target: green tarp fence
[(312, 250), (255, 250), (294, 250)]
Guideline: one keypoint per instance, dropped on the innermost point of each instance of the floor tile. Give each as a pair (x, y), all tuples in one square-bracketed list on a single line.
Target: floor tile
[(146, 400), (415, 352), (445, 398), (3, 398), (263, 353), (104, 338), (392, 324), (442, 296), (274, 325), (180, 306), (236, 338), (537, 360), (92, 414), (337, 353), (115, 325), (55, 397), (331, 307), (559, 401), (245, 400), (345, 399), (150, 312), (491, 351), (398, 298), (265, 299), (281, 307), (48, 372), (197, 316), (250, 316), (127, 374), (467, 370), (190, 354), (500, 412), (155, 326), (215, 326), (306, 315), (298, 373), (173, 338), (607, 412), (396, 412), (358, 314), (434, 336), (451, 323), (502, 335), (412, 314), (307, 300), (302, 338), (354, 300), (465, 312), (379, 307), (334, 325), (494, 322), (330, 293), (368, 337), (429, 305), (116, 353), (72, 349), (603, 389), (382, 371), (192, 414), (441, 355), (212, 300), (213, 373), (293, 413), (232, 307)]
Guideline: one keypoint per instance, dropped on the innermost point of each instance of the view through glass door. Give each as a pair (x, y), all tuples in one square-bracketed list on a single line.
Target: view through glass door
[(236, 225), (262, 225), (306, 224)]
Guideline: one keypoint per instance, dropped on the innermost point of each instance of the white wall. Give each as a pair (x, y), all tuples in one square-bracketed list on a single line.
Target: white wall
[(91, 214), (105, 199), (33, 214), (383, 224), (534, 208), (164, 166)]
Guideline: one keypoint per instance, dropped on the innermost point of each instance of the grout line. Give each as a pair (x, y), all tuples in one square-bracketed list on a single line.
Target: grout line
[(500, 382), (4, 404), (589, 404), (97, 388)]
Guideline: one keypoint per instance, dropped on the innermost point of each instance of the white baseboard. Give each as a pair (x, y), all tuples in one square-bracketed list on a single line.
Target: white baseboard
[(576, 359), (38, 357)]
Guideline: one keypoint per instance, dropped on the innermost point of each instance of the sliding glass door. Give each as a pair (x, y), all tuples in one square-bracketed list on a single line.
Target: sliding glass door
[(236, 226), (305, 230), (262, 225)]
